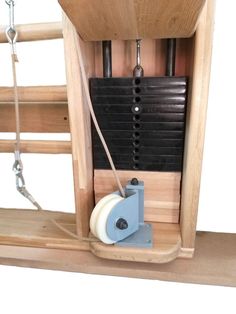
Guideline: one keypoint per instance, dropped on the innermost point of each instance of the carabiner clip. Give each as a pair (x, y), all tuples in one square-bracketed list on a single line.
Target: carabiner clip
[(11, 35)]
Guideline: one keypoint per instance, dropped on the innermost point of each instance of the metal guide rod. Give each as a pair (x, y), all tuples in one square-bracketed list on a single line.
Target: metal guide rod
[(107, 58), (170, 57)]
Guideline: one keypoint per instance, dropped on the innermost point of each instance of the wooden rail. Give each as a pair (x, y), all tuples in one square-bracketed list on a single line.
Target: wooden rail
[(42, 109), (38, 117), (35, 93), (37, 147), (37, 31)]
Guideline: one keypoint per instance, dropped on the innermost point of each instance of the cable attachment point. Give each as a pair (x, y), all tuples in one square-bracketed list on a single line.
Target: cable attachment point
[(18, 169), (11, 32), (138, 70), (10, 2), (20, 181)]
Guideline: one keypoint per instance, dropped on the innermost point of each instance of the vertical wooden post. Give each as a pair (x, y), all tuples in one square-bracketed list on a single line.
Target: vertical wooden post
[(195, 125), (80, 127)]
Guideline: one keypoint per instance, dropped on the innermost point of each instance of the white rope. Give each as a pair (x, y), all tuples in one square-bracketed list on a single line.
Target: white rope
[(18, 165), (89, 102)]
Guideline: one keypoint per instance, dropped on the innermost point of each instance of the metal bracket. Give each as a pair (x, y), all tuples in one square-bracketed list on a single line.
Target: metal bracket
[(125, 223)]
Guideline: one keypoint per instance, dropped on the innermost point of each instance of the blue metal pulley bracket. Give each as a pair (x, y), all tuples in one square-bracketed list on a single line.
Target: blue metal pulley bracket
[(125, 224)]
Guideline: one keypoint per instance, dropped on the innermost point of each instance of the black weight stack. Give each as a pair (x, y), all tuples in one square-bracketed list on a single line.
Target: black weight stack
[(142, 118)]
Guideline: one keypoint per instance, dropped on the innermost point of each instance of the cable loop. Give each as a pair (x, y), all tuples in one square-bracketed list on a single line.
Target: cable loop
[(9, 2)]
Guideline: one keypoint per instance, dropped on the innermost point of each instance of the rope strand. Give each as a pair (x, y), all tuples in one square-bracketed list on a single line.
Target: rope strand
[(89, 102), (22, 189), (18, 165)]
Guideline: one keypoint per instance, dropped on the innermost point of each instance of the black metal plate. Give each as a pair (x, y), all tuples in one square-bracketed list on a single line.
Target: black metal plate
[(142, 120)]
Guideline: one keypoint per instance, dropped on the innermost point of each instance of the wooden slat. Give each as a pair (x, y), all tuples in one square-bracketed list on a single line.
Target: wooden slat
[(36, 31), (37, 147), (42, 109), (45, 117), (32, 228), (80, 125), (214, 262), (35, 93), (162, 191), (195, 125), (133, 19)]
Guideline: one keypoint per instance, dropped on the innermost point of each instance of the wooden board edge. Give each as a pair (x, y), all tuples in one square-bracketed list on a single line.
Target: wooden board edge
[(207, 267), (195, 124), (135, 254)]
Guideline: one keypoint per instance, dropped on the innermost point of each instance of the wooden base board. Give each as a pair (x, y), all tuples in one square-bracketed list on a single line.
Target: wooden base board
[(34, 229), (166, 247), (214, 262)]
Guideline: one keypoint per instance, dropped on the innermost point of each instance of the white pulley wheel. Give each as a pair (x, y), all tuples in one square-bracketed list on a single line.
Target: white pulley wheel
[(102, 219), (96, 211)]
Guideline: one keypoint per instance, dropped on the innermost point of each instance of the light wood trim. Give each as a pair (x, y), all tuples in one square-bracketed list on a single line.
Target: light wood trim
[(35, 93), (186, 252), (208, 266), (195, 125), (37, 147), (79, 125), (36, 31), (133, 19), (162, 191), (44, 117)]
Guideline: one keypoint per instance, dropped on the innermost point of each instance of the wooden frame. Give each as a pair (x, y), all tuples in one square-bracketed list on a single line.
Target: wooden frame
[(47, 246), (199, 77)]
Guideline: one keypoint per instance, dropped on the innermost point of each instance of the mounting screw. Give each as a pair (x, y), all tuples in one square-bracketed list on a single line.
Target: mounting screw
[(122, 224), (134, 181)]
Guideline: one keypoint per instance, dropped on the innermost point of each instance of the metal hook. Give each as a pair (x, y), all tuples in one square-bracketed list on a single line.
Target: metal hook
[(138, 70), (138, 48), (9, 2), (11, 34)]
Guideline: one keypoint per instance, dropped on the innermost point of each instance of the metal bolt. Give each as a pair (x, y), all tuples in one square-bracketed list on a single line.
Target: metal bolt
[(134, 181), (122, 224)]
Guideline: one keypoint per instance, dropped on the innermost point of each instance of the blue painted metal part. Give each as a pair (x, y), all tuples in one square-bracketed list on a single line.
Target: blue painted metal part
[(131, 209), (141, 238)]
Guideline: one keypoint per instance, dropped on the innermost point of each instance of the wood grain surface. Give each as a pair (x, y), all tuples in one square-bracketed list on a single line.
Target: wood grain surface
[(133, 19)]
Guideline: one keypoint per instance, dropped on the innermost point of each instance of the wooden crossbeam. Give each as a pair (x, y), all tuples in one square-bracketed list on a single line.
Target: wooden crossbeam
[(35, 93), (36, 31), (132, 19), (37, 147), (36, 117), (42, 109)]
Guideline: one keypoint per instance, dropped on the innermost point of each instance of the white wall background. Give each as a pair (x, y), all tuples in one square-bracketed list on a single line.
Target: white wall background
[(36, 291)]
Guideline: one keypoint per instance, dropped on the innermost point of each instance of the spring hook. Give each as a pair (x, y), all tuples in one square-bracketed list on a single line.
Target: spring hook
[(18, 169), (20, 181)]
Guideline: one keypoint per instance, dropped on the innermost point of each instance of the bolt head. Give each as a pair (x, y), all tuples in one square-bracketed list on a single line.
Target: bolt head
[(134, 181)]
